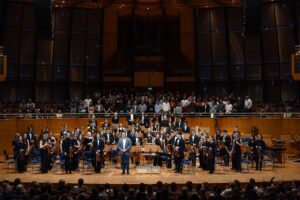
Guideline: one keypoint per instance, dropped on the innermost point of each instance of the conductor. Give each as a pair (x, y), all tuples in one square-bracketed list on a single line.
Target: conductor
[(124, 146)]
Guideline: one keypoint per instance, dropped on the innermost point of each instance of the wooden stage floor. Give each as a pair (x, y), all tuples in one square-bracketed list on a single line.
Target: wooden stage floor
[(112, 174)]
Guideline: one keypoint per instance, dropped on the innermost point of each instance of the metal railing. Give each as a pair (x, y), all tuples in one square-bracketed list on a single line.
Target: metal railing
[(108, 115)]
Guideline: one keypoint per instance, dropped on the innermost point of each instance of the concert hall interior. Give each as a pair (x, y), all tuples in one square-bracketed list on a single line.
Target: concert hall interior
[(149, 99)]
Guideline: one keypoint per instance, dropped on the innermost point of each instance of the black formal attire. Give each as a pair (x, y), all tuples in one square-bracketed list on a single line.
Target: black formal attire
[(20, 147), (63, 132), (131, 119), (164, 123), (108, 138), (144, 121), (86, 145), (155, 127), (227, 141), (149, 139), (157, 141), (92, 124), (32, 139), (180, 122), (211, 157), (259, 147), (115, 120), (194, 139), (75, 160), (157, 161), (67, 147), (203, 153), (236, 155), (115, 139), (178, 159), (44, 157), (224, 152), (185, 129), (98, 146)]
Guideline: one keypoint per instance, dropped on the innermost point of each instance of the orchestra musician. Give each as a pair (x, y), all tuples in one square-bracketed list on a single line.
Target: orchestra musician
[(236, 152), (92, 124), (98, 147), (44, 149), (164, 122), (135, 139), (115, 138), (115, 120), (121, 128), (181, 121), (124, 146), (179, 147), (211, 155), (131, 118), (88, 142), (202, 147), (172, 120), (259, 147), (185, 127), (149, 138), (20, 148), (64, 131), (31, 138), (194, 139), (225, 144), (137, 128), (108, 138), (105, 125), (155, 126), (68, 150), (144, 120), (76, 148), (157, 140), (53, 146)]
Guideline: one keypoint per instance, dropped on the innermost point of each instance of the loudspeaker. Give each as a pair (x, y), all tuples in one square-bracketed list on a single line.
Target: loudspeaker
[(43, 18), (251, 17)]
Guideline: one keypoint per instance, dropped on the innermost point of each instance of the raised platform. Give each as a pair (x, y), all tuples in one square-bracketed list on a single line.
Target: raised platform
[(112, 174)]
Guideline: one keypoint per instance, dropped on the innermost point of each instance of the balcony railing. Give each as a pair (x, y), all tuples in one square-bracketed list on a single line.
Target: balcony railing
[(281, 115)]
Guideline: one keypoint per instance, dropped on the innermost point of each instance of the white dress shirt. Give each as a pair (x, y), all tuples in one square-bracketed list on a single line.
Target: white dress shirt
[(124, 144)]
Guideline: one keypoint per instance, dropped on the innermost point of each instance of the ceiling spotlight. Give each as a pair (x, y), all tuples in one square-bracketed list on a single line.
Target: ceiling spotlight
[(148, 8)]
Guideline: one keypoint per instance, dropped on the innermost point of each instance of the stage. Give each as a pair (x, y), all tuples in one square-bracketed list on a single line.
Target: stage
[(112, 174)]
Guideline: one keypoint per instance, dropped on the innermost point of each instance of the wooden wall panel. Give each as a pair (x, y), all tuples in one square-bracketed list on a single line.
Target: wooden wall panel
[(187, 34), (275, 127), (110, 31)]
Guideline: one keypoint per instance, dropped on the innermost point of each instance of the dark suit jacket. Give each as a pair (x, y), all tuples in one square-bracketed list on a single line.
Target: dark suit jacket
[(180, 144), (186, 129), (115, 120), (195, 141), (227, 141), (128, 119), (181, 120), (145, 122), (97, 147), (106, 125), (111, 139), (67, 144)]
